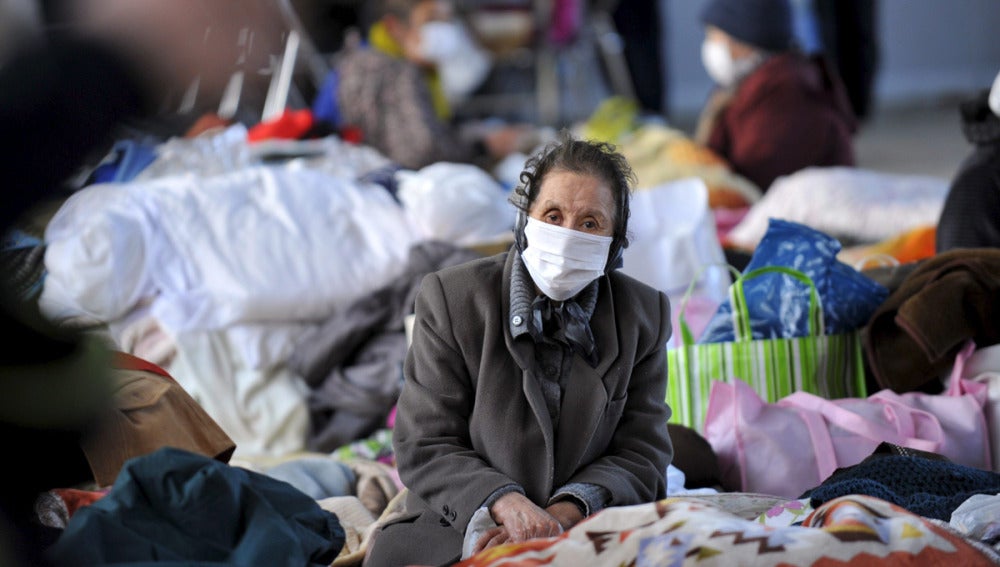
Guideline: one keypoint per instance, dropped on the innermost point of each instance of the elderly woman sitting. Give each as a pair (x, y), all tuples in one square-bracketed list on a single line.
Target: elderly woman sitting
[(535, 384)]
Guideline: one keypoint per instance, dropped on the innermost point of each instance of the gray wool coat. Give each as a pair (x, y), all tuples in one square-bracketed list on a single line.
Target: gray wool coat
[(472, 419)]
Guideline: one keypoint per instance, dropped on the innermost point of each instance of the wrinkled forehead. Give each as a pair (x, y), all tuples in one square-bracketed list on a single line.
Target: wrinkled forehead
[(579, 191)]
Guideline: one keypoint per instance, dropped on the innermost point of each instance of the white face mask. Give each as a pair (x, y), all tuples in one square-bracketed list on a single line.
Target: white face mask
[(461, 63), (721, 66), (563, 261), (994, 100)]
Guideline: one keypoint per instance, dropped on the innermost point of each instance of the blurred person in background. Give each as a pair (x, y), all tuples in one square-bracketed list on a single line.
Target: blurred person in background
[(640, 24), (98, 63), (399, 86), (971, 214), (849, 32), (775, 110), (20, 21), (63, 90)]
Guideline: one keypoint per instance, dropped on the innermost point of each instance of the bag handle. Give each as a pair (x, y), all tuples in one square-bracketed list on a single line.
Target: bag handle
[(906, 417), (902, 435), (819, 439), (742, 329), (737, 299), (687, 337), (885, 260)]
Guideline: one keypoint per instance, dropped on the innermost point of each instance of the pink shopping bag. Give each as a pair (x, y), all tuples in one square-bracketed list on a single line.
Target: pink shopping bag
[(793, 445)]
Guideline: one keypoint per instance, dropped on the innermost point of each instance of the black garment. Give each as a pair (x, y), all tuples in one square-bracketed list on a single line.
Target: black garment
[(563, 322), (638, 22), (849, 30), (927, 486), (59, 103), (971, 214)]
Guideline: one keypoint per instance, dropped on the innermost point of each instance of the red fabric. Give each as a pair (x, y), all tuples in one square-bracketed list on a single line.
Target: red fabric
[(352, 134), (291, 125), (126, 361), (74, 499), (790, 113)]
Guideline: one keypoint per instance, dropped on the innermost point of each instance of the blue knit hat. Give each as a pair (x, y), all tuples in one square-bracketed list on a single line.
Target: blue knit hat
[(766, 24)]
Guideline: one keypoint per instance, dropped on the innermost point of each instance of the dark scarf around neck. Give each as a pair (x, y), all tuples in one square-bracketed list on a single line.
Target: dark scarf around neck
[(565, 323)]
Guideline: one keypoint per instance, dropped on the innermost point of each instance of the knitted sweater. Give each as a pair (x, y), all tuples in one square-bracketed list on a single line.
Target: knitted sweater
[(928, 487)]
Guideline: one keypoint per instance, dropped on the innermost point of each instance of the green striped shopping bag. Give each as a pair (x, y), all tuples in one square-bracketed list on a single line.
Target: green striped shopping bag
[(831, 366)]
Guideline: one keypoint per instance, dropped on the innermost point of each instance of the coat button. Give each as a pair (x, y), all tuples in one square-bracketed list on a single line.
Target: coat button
[(517, 320)]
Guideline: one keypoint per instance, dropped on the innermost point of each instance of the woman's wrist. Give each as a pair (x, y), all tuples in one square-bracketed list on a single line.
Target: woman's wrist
[(567, 512)]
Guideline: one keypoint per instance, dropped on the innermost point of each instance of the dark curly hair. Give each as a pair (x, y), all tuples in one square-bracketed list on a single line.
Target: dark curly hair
[(599, 159)]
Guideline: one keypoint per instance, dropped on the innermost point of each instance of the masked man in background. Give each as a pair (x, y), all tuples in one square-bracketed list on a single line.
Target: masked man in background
[(400, 85), (776, 110)]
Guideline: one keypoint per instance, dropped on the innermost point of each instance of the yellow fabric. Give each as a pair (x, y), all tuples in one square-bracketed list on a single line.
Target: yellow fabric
[(614, 118), (379, 38), (660, 154)]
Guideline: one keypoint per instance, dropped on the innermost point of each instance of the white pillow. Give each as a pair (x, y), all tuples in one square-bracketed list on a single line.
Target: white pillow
[(856, 206)]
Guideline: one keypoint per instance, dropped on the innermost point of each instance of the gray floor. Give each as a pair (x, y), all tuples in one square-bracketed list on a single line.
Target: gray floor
[(923, 139)]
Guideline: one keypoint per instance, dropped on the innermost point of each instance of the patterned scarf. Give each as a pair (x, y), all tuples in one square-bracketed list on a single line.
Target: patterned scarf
[(564, 323)]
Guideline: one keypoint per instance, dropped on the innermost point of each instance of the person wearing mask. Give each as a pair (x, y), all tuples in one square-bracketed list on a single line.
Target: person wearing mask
[(775, 110), (534, 387), (399, 87), (970, 217)]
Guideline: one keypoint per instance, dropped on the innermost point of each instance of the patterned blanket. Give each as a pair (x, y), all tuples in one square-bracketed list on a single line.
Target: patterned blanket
[(850, 530)]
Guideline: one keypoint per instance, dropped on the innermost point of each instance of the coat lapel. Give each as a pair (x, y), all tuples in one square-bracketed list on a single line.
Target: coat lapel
[(523, 353), (586, 395)]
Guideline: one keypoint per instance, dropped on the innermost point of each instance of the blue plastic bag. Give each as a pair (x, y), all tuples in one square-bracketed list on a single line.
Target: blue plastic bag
[(779, 304), (125, 162)]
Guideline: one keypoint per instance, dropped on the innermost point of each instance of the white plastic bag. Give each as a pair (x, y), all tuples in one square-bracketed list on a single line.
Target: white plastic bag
[(455, 202), (673, 239)]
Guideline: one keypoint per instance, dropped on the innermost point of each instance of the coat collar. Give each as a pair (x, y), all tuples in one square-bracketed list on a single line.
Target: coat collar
[(603, 324), (587, 395)]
